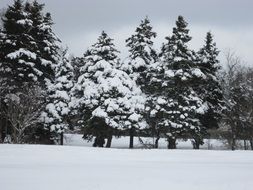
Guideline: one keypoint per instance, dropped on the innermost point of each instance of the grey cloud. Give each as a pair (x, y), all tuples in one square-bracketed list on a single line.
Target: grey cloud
[(77, 22)]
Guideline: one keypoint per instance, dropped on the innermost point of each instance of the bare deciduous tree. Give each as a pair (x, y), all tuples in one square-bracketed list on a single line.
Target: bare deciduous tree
[(238, 93), (23, 111)]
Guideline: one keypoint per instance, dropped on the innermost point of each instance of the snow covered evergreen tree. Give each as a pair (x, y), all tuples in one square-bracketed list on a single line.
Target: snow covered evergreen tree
[(106, 97), (247, 114), (47, 46), (181, 104), (142, 55), (1, 77), (141, 50), (16, 60), (210, 89), (28, 48), (56, 117), (24, 48), (156, 99)]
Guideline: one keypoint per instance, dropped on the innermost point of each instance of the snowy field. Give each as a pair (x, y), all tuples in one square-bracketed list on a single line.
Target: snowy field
[(37, 167)]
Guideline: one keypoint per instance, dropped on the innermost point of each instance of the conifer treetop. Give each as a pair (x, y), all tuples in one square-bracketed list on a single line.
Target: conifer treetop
[(208, 54), (176, 49), (104, 48), (140, 44), (29, 47), (181, 31), (15, 18)]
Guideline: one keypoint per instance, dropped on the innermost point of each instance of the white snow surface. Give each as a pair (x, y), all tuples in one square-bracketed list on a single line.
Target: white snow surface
[(198, 73), (21, 52), (37, 167)]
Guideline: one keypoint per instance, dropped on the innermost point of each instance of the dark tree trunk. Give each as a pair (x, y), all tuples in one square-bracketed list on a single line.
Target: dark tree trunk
[(196, 144), (245, 144), (95, 142), (251, 144), (156, 142), (99, 142), (172, 143), (109, 142), (233, 135), (131, 134), (233, 144), (61, 138), (14, 135)]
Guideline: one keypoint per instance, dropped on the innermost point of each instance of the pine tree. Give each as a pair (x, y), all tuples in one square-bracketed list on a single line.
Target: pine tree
[(140, 44), (1, 77), (247, 116), (28, 48), (181, 104), (17, 60), (46, 41), (56, 117), (105, 96), (155, 101), (210, 88), (176, 47), (141, 56), (141, 50)]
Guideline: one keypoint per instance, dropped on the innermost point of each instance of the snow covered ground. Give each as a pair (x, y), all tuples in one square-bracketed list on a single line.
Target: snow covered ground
[(37, 167)]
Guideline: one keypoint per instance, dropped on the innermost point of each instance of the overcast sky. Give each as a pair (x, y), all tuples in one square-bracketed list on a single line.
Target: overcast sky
[(79, 22)]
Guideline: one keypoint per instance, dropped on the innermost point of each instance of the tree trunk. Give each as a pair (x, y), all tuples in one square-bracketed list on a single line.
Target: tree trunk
[(109, 142), (172, 143), (251, 144), (101, 141), (14, 135), (233, 143), (196, 144), (61, 138), (95, 142), (245, 144), (156, 142), (131, 134), (233, 135)]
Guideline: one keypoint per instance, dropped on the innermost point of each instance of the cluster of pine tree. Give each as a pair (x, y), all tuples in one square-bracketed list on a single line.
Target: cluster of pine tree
[(171, 93), (183, 95), (29, 58)]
